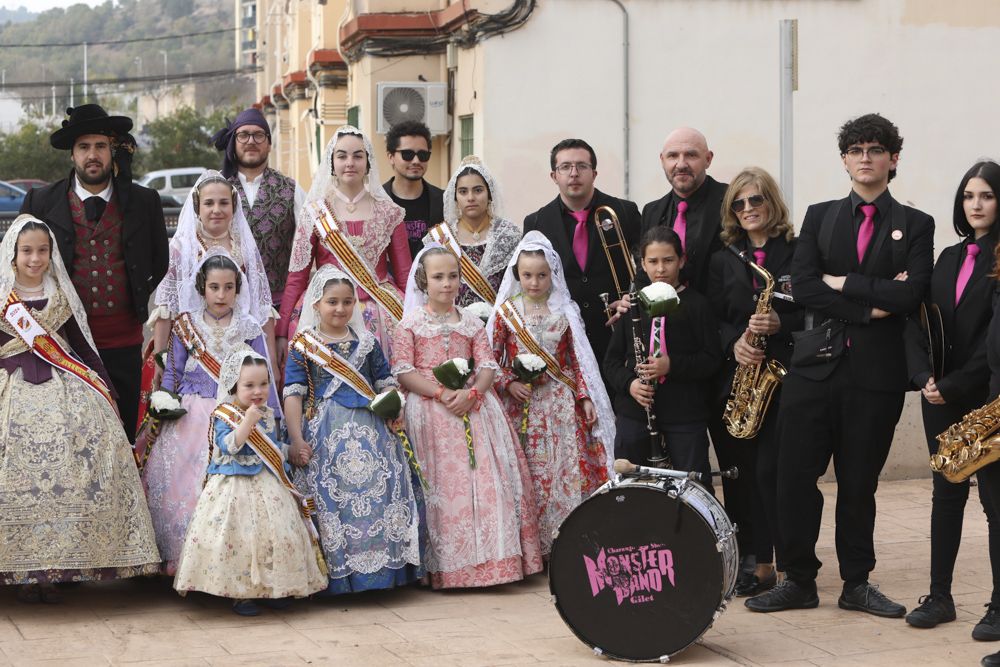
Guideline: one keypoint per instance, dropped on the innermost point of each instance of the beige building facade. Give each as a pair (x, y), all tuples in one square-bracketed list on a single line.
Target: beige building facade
[(714, 65)]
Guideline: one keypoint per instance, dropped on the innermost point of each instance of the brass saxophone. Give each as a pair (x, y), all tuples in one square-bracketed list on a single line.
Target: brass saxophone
[(754, 385), (970, 444)]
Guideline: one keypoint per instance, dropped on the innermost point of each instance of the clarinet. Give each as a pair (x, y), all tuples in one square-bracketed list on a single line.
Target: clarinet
[(656, 452)]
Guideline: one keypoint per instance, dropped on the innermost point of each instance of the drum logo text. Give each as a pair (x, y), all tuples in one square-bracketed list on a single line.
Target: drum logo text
[(635, 573)]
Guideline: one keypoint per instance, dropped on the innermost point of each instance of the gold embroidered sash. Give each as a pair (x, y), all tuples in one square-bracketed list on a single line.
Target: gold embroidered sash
[(508, 312), (185, 330), (46, 347), (350, 260), (308, 345), (471, 275)]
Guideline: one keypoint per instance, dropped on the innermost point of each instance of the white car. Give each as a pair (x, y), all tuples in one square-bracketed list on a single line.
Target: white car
[(172, 184)]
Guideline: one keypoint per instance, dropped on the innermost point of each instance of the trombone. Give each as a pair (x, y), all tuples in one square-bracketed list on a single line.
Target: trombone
[(604, 228)]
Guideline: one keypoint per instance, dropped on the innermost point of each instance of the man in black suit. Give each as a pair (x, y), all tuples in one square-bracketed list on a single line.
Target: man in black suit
[(112, 238), (862, 263), (693, 205), (569, 223)]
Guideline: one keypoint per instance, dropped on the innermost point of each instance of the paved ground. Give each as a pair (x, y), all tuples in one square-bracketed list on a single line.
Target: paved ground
[(144, 622)]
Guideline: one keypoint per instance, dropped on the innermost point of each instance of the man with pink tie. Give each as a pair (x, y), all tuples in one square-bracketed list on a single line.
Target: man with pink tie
[(693, 206)]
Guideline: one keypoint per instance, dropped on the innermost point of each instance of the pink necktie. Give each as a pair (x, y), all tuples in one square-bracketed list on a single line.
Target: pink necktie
[(866, 230), (581, 237), (658, 340), (965, 272), (681, 223), (758, 258)]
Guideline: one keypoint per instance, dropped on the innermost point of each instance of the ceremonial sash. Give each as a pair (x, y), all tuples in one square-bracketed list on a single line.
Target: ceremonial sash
[(353, 263), (306, 344), (471, 275), (45, 346), (270, 453), (192, 341), (508, 312)]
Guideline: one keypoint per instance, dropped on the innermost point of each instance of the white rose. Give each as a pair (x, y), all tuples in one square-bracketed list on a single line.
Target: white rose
[(531, 362), (461, 365), (480, 309), (659, 292), (161, 401)]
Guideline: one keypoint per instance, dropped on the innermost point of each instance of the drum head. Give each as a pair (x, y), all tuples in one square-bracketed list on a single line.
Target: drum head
[(636, 573)]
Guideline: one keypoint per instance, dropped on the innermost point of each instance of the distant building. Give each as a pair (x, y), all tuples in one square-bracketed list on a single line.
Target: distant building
[(246, 33)]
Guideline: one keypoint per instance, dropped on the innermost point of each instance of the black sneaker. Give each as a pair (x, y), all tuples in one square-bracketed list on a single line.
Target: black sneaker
[(786, 595), (756, 585), (933, 610), (991, 660), (988, 628), (868, 598)]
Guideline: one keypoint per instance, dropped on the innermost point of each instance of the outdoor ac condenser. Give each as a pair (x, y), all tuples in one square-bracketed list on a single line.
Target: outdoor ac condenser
[(413, 100)]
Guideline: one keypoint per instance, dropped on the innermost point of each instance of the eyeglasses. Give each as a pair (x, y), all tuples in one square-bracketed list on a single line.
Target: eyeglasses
[(408, 155), (245, 137), (568, 167), (872, 151), (740, 205)]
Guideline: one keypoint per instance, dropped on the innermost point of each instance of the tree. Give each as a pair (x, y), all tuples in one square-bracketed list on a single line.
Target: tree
[(182, 139), (27, 153)]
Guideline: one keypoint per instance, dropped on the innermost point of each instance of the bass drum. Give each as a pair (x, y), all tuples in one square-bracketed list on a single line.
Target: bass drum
[(642, 568)]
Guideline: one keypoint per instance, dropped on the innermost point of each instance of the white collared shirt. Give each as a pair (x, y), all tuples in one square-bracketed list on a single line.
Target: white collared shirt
[(250, 187), (84, 194)]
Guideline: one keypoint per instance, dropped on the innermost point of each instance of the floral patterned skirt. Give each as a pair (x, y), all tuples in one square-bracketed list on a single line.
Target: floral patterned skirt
[(247, 540), (71, 503)]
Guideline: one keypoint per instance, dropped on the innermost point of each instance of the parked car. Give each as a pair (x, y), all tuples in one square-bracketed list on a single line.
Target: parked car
[(11, 197), (28, 183), (172, 184)]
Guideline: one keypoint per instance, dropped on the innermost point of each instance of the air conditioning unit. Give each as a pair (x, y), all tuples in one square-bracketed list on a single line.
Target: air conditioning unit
[(413, 100)]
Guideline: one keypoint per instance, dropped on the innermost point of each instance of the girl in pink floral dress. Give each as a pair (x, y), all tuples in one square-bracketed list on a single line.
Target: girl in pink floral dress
[(481, 519)]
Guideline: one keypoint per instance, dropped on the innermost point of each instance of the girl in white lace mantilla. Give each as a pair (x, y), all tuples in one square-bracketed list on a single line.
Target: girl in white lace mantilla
[(71, 506), (246, 538)]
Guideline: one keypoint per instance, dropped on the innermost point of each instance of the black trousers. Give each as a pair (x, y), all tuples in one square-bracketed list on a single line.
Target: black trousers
[(948, 506), (751, 499), (124, 365), (687, 445), (824, 419)]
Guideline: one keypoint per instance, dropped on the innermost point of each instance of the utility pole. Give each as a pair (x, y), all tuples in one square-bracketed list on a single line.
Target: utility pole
[(72, 85), (164, 54), (85, 72)]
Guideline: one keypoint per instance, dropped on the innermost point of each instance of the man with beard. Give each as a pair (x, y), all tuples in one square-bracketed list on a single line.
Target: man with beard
[(271, 200), (112, 238), (693, 205), (408, 145)]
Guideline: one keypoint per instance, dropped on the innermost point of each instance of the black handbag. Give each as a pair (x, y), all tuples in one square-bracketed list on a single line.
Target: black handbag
[(819, 345)]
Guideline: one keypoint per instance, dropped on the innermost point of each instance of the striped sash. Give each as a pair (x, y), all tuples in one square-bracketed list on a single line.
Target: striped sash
[(508, 312), (350, 260), (192, 341), (45, 346), (308, 345), (471, 275)]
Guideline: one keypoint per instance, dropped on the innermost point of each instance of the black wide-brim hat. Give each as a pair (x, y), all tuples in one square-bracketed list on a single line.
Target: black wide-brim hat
[(88, 119)]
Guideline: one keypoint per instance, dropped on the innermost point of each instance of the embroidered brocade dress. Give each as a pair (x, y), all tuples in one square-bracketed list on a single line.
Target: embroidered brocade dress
[(567, 464), (368, 503), (71, 503), (381, 241), (246, 538), (175, 470), (481, 521)]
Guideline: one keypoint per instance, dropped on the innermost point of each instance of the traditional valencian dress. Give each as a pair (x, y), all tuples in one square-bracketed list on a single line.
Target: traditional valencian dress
[(481, 521), (71, 504), (246, 538), (365, 247), (174, 472), (568, 460)]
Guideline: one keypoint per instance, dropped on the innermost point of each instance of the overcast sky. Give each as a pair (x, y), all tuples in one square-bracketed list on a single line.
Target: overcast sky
[(42, 5)]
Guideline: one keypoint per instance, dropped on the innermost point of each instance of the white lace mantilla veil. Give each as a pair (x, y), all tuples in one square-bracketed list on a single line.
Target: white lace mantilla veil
[(560, 302), (56, 278), (187, 249), (322, 188), (191, 301), (503, 234), (414, 299), (314, 293), (230, 372)]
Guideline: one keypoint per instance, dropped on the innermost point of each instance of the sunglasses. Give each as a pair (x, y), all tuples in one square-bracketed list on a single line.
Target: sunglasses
[(740, 204), (408, 155)]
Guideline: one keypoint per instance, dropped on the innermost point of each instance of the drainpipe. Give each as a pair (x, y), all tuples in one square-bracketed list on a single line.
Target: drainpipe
[(625, 78)]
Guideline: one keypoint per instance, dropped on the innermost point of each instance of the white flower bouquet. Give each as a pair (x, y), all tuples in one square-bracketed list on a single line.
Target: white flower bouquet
[(659, 299), (480, 309), (165, 405), (453, 374), (389, 406), (528, 368)]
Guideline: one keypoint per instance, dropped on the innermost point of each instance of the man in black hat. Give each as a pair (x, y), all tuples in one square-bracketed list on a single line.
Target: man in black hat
[(112, 238)]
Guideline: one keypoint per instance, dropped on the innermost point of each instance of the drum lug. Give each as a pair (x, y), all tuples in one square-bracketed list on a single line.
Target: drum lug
[(552, 599), (598, 651), (664, 659)]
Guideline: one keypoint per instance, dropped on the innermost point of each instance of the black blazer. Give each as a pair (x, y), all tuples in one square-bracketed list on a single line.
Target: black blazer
[(734, 300), (144, 234), (703, 227), (586, 289), (692, 335), (966, 372), (876, 357)]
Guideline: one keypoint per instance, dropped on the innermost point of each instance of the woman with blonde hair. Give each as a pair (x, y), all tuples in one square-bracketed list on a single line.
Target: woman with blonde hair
[(755, 224)]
